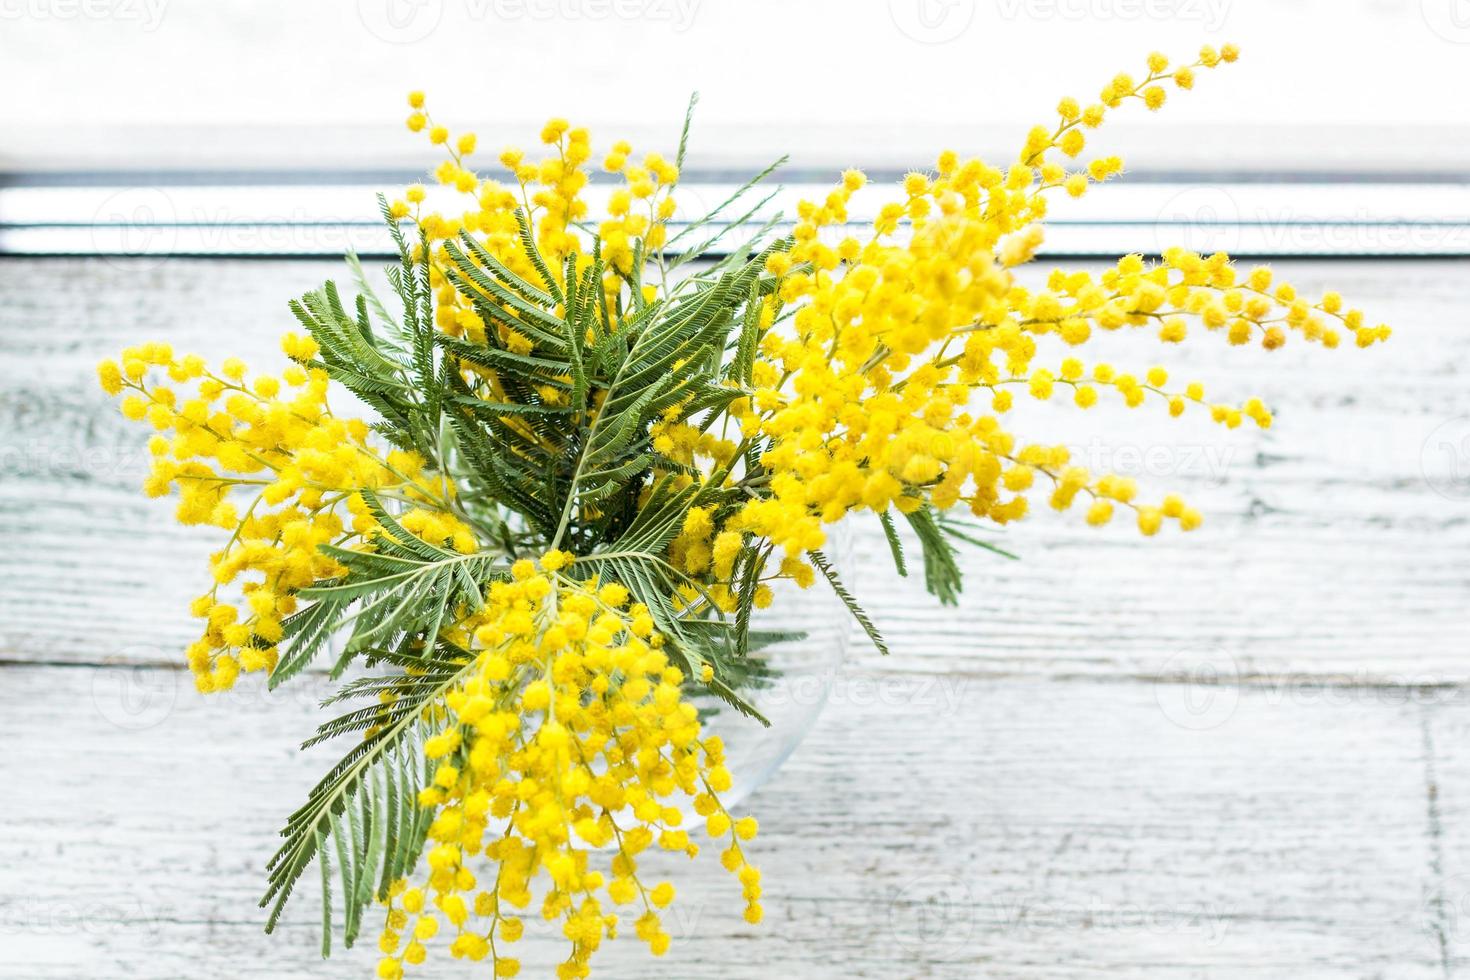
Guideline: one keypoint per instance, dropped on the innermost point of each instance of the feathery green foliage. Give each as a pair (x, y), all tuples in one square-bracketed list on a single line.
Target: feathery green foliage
[(545, 423)]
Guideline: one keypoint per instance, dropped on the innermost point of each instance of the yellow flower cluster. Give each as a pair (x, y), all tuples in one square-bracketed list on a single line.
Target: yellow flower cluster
[(271, 445), (868, 399), (569, 739), (886, 364), (710, 557), (548, 191)]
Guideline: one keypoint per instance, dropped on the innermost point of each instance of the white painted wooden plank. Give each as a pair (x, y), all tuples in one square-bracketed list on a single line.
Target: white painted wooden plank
[(1446, 737), (1326, 549), (929, 827)]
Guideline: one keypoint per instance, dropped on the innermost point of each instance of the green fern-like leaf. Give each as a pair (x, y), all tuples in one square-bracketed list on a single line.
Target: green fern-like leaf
[(367, 804), (830, 574)]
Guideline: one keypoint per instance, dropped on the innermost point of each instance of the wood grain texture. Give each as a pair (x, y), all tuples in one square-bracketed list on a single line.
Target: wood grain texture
[(1326, 551), (951, 828), (1237, 753)]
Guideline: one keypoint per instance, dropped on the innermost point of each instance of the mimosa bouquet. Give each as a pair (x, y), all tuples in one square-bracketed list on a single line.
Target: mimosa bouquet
[(583, 448)]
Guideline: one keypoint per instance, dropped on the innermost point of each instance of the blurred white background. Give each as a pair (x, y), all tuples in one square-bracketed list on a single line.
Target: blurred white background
[(1324, 85)]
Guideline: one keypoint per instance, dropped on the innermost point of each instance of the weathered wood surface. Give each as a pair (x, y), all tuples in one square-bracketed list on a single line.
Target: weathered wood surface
[(1325, 549), (1026, 828), (1237, 753)]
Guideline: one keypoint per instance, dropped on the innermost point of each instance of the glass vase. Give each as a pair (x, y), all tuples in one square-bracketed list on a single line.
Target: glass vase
[(801, 674)]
